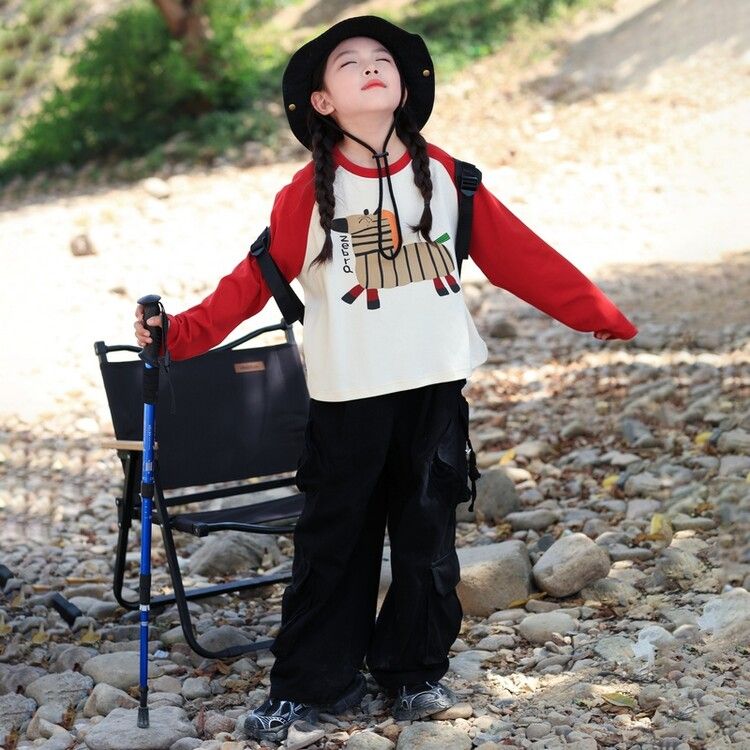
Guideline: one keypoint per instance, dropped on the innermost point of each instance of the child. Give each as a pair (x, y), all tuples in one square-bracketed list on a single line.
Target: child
[(368, 227)]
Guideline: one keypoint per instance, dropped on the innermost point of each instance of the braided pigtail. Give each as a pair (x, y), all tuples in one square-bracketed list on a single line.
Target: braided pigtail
[(420, 161), (323, 141)]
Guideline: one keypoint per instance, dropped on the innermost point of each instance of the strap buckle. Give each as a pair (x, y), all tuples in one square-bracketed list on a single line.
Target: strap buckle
[(261, 243)]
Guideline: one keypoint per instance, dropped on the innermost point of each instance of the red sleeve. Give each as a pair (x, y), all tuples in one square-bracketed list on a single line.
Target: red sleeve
[(513, 257), (243, 292)]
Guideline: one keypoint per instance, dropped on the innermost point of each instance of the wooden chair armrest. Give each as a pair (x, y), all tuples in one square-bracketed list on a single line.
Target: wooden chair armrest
[(125, 445)]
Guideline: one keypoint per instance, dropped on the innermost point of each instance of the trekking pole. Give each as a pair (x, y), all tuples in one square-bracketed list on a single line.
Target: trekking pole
[(150, 355)]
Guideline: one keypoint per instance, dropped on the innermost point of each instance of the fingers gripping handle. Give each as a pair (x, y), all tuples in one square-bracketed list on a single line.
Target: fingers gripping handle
[(151, 307), (150, 353)]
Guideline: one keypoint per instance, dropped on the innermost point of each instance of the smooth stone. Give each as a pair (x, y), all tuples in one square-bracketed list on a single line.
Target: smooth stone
[(538, 628), (120, 730), (63, 688), (725, 611), (231, 552), (222, 637), (368, 741), (165, 684), (611, 591), (532, 519), (187, 743), (467, 664), (615, 648), (196, 687), (731, 464), (104, 699), (119, 669), (16, 676), (419, 735), (496, 497), (679, 566), (457, 711), (71, 658), (15, 711), (302, 734), (45, 717), (493, 576), (571, 563), (642, 508)]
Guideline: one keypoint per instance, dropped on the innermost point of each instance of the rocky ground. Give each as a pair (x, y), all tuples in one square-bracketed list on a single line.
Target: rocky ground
[(605, 572)]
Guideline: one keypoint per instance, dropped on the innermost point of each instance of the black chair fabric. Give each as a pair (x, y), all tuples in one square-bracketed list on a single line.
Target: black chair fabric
[(240, 413)]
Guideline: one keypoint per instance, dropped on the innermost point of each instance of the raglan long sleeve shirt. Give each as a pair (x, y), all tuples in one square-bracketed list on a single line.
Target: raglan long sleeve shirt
[(374, 325)]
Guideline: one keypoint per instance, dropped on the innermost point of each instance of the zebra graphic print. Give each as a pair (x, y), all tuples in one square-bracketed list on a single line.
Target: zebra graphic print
[(416, 261)]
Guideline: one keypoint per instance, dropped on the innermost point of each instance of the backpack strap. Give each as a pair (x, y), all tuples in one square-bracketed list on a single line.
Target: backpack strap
[(467, 178), (289, 303)]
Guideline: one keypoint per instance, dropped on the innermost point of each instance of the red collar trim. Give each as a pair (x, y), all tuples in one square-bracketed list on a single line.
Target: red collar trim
[(350, 166)]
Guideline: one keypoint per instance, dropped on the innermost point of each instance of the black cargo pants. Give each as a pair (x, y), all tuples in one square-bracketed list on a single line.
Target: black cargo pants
[(400, 459)]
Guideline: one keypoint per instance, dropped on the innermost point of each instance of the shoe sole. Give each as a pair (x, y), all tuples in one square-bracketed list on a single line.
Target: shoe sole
[(278, 735), (349, 699), (427, 709)]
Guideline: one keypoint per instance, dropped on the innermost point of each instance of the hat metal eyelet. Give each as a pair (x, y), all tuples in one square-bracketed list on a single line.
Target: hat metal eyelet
[(292, 107), (426, 73)]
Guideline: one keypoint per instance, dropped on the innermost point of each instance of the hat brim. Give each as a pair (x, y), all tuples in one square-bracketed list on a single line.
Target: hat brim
[(409, 50)]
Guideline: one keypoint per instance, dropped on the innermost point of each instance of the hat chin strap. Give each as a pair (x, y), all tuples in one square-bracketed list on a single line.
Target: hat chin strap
[(383, 154)]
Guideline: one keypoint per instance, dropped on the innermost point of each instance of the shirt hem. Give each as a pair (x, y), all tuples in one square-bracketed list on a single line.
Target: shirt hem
[(398, 385)]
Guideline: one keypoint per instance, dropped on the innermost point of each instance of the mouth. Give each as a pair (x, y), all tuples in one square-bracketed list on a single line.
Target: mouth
[(371, 84)]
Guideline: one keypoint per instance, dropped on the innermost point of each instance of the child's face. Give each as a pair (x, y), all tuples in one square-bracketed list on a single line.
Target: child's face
[(347, 89)]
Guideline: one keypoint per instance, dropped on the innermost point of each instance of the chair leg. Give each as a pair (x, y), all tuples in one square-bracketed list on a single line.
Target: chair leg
[(124, 522), (179, 589)]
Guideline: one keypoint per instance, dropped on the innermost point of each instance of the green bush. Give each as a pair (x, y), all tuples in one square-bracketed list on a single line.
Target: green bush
[(460, 31), (133, 87)]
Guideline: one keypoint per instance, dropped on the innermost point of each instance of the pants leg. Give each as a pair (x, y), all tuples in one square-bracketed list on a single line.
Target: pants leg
[(328, 608), (395, 457), (421, 615)]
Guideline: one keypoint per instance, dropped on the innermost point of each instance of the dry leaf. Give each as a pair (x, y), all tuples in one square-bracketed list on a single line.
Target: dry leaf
[(620, 699), (18, 600), (41, 636), (508, 456), (610, 481), (5, 629), (522, 602), (90, 636), (702, 437)]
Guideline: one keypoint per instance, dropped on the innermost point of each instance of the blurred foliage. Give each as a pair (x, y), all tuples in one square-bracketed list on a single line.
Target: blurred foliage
[(131, 93), (460, 31), (132, 88)]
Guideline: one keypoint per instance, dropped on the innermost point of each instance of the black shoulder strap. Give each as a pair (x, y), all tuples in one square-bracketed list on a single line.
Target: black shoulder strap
[(289, 303), (467, 179)]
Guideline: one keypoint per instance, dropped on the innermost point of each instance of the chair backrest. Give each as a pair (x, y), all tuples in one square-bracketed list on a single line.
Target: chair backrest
[(240, 412)]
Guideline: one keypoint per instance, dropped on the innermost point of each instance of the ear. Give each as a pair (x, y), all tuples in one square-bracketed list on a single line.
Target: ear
[(320, 103)]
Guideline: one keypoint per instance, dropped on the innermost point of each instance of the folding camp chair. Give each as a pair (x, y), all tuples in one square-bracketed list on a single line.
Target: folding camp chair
[(240, 416)]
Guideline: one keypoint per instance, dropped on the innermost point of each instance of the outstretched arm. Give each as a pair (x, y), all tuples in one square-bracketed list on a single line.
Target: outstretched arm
[(513, 257), (243, 292)]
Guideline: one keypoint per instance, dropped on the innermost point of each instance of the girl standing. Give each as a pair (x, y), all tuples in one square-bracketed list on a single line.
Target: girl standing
[(368, 227)]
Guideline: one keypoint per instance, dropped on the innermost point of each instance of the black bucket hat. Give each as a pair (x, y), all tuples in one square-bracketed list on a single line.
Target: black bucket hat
[(409, 50)]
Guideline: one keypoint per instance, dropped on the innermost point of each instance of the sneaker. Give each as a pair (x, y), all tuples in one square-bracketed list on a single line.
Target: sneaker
[(415, 701), (351, 697), (272, 719)]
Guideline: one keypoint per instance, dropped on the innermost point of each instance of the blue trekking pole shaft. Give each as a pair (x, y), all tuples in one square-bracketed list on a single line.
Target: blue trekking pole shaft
[(150, 355)]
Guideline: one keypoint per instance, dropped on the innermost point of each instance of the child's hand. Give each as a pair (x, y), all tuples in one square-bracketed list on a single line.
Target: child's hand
[(603, 335), (141, 332)]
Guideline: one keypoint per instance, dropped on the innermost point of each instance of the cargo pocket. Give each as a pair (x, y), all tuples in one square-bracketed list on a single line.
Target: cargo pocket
[(454, 462), (444, 610)]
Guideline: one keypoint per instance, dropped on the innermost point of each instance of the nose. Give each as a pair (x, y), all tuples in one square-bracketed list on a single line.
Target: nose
[(370, 68)]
